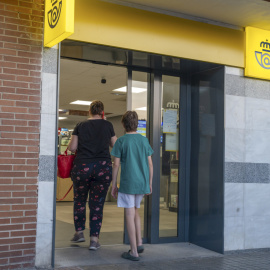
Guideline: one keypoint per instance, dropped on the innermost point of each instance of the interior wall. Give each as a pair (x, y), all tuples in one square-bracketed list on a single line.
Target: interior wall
[(247, 161), (117, 125)]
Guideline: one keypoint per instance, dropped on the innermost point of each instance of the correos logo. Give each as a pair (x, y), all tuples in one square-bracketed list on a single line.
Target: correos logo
[(263, 58), (54, 13)]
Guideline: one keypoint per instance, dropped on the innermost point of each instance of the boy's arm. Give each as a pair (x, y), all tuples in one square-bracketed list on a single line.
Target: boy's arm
[(114, 176), (150, 163)]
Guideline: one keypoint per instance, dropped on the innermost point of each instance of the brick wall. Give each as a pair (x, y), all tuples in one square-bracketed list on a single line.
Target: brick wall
[(21, 35)]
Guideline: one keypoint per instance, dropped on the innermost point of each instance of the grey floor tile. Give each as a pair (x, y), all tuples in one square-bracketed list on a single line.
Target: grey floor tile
[(253, 260)]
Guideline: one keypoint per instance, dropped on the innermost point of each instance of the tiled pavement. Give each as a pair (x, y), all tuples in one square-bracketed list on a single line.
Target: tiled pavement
[(249, 260)]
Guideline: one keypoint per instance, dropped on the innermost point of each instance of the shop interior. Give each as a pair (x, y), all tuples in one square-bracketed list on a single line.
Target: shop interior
[(82, 82)]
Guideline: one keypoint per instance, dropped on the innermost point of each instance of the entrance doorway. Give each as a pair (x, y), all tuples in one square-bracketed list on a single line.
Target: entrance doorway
[(180, 108), (80, 83), (159, 111), (155, 96)]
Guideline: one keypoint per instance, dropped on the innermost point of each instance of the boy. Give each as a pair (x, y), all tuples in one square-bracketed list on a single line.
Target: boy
[(134, 152)]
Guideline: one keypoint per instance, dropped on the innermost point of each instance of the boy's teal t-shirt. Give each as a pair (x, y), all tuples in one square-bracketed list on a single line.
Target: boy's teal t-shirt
[(133, 151)]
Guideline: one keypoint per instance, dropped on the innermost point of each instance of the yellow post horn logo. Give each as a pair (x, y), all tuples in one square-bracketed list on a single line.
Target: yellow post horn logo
[(263, 59), (257, 54), (54, 13), (59, 21)]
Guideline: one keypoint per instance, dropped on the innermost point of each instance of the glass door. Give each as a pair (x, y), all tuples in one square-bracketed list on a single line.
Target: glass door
[(156, 99), (169, 156), (137, 100)]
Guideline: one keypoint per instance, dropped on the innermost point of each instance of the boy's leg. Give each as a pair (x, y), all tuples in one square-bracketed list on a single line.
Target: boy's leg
[(138, 227), (130, 220)]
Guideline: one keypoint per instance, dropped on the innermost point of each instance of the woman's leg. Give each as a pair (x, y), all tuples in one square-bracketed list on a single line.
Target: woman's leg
[(130, 220), (138, 227), (99, 186), (79, 176)]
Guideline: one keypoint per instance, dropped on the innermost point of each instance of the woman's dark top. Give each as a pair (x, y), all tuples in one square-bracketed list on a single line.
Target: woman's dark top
[(94, 138)]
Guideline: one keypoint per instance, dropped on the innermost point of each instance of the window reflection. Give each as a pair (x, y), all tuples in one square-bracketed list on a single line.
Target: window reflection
[(169, 156), (139, 88)]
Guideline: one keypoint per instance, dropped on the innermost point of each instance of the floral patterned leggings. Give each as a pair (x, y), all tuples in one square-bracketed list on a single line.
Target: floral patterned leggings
[(93, 178)]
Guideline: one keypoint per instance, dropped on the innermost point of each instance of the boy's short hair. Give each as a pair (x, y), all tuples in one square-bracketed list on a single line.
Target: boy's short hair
[(130, 121), (96, 107)]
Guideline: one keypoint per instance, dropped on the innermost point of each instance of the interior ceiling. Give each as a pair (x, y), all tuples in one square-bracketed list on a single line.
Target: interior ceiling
[(230, 13), (82, 81)]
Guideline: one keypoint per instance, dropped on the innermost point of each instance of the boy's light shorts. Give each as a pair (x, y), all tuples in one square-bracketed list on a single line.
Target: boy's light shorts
[(129, 200)]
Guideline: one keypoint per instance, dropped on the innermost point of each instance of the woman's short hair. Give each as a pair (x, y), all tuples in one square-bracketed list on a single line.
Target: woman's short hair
[(96, 107), (130, 121)]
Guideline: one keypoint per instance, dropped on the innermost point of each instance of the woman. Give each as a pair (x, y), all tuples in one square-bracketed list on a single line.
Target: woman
[(92, 171)]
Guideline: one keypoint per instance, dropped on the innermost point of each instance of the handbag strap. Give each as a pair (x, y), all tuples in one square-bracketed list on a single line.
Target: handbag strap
[(65, 194), (65, 153)]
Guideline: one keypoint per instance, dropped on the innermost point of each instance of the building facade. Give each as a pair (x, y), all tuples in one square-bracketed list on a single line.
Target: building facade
[(223, 172)]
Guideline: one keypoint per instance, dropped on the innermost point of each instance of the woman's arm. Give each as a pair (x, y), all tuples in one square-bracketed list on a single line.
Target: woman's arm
[(113, 140), (73, 144), (114, 176), (150, 163)]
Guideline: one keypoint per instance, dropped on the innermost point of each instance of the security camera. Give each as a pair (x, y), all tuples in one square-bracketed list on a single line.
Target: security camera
[(103, 81)]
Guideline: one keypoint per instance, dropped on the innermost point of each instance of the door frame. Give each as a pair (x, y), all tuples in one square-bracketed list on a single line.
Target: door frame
[(152, 205), (214, 215), (156, 71)]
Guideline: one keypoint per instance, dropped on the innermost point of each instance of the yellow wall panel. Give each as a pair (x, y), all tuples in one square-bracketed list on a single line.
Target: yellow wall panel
[(257, 53), (58, 22), (124, 27)]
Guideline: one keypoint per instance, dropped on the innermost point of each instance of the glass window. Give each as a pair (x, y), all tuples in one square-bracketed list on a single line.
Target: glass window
[(169, 152), (139, 87)]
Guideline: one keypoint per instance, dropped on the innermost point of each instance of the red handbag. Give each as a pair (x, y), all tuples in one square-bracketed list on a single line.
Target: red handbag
[(65, 164)]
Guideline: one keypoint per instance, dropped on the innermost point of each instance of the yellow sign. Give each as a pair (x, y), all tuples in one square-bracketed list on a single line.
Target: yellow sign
[(257, 53), (59, 21)]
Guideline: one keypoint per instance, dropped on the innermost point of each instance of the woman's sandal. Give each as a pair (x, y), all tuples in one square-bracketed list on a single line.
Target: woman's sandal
[(140, 249), (128, 256)]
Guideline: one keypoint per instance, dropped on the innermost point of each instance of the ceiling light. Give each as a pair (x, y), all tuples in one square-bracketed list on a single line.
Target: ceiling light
[(121, 89), (62, 118), (135, 90), (118, 94), (141, 109), (81, 102)]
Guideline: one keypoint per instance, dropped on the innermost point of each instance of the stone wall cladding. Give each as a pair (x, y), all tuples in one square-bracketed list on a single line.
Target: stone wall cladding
[(247, 161), (47, 157), (21, 36), (247, 128)]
